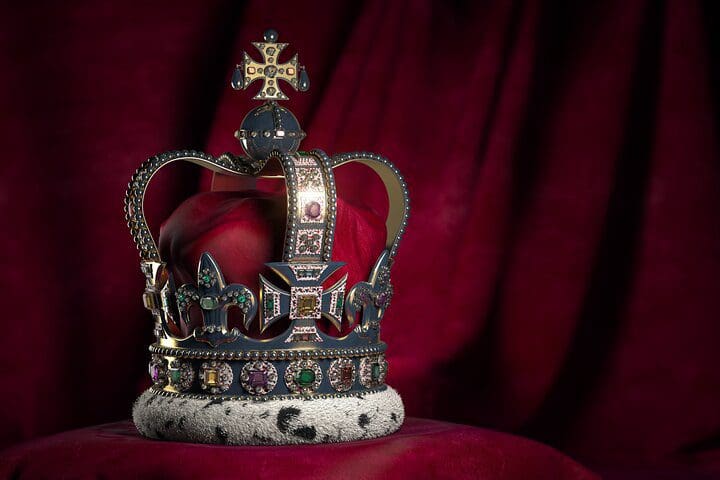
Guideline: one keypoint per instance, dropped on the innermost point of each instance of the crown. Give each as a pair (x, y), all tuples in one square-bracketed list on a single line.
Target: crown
[(217, 363)]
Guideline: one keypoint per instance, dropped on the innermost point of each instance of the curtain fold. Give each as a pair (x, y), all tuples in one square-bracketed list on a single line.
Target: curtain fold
[(558, 277)]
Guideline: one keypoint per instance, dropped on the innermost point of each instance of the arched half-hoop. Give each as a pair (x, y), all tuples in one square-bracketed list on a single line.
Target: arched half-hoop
[(373, 296), (135, 195), (399, 201)]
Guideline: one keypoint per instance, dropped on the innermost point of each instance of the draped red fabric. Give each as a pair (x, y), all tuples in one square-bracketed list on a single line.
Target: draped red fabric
[(558, 277)]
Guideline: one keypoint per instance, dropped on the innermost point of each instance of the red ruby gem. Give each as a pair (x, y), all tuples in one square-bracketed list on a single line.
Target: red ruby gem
[(346, 374)]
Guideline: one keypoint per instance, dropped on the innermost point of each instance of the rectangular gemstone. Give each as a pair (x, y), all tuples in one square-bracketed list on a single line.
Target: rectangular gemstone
[(257, 378), (346, 374), (306, 305), (211, 377), (375, 372)]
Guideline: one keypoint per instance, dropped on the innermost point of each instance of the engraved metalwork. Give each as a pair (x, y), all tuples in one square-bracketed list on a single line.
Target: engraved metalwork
[(157, 368), (269, 71), (373, 371), (258, 378), (181, 375), (342, 374), (303, 376), (215, 377), (214, 297)]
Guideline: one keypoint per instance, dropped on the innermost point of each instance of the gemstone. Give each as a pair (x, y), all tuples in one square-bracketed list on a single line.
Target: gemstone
[(346, 374), (154, 372), (270, 35), (251, 70), (312, 209), (206, 278), (257, 378), (237, 80), (306, 305), (305, 377), (175, 376), (381, 300), (270, 51), (211, 377), (208, 303), (241, 298), (304, 81), (270, 71), (270, 91), (375, 371), (291, 71)]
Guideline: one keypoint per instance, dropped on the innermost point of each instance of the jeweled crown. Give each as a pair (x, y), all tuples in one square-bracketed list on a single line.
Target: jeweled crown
[(216, 360)]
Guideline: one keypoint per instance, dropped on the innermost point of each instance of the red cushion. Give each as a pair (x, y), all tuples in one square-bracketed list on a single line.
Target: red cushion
[(421, 449)]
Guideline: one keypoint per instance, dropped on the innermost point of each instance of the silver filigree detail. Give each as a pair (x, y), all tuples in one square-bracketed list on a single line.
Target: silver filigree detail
[(342, 374), (258, 378), (181, 375), (298, 372), (215, 377), (373, 371)]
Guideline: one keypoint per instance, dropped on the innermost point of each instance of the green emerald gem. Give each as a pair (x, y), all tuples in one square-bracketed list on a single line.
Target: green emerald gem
[(305, 377), (180, 297), (206, 278), (269, 303), (175, 376), (241, 299), (375, 371)]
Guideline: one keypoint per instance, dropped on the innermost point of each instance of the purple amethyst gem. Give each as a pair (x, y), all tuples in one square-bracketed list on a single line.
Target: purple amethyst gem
[(257, 378), (154, 372)]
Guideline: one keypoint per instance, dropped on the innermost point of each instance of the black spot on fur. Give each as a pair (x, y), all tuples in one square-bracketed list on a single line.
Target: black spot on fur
[(215, 401), (393, 416), (308, 433), (363, 420), (150, 400), (265, 414), (159, 435), (181, 423), (221, 433), (228, 411), (183, 403), (285, 415), (326, 438), (169, 424)]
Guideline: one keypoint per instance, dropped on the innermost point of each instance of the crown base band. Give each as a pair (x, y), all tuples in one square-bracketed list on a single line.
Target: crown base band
[(158, 414)]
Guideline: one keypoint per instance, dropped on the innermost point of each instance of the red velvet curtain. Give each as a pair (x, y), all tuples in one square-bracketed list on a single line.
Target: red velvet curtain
[(558, 278)]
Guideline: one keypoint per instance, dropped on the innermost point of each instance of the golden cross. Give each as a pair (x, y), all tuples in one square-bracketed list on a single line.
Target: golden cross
[(270, 71)]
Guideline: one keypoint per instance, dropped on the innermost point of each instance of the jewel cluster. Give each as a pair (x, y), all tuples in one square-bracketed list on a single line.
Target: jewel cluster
[(260, 377)]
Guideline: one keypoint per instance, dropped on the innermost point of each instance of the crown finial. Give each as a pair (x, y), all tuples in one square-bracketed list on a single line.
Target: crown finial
[(269, 128), (270, 71)]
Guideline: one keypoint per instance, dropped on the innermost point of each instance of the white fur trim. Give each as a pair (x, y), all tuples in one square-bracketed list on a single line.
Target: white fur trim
[(274, 422)]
